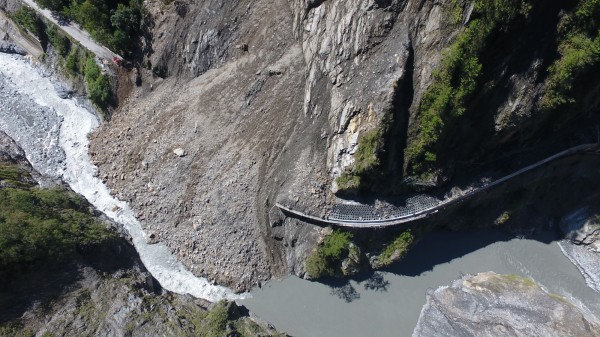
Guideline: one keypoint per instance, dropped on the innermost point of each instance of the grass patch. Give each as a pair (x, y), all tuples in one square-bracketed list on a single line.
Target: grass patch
[(396, 249), (326, 260), (456, 79)]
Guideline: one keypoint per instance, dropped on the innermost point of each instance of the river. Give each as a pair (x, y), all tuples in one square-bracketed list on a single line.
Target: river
[(389, 303), (53, 133)]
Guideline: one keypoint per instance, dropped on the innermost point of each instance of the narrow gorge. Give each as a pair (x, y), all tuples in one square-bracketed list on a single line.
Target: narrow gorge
[(240, 143)]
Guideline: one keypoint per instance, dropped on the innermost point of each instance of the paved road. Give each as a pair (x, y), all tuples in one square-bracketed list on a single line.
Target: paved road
[(423, 213), (76, 33)]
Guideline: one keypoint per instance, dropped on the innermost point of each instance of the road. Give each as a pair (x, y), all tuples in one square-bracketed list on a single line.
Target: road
[(585, 148), (76, 33)]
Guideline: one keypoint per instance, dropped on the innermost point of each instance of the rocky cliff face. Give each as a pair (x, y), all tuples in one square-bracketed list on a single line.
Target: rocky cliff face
[(267, 101), (262, 98), (489, 304)]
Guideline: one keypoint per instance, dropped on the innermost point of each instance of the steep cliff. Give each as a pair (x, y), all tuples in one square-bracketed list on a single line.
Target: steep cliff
[(244, 103)]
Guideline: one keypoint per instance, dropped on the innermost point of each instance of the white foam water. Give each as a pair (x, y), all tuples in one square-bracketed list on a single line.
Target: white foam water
[(81, 175)]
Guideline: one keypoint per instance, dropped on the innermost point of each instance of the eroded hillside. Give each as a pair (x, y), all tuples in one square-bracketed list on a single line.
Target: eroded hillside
[(241, 104)]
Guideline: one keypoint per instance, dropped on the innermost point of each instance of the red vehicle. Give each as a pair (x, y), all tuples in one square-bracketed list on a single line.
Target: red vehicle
[(117, 61)]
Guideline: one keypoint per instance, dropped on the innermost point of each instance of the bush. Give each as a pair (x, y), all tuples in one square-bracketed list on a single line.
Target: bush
[(216, 320), (99, 91), (91, 70), (397, 249), (98, 84), (72, 63), (326, 260), (61, 43), (579, 49)]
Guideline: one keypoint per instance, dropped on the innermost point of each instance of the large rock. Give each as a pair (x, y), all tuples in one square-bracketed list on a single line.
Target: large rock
[(489, 304)]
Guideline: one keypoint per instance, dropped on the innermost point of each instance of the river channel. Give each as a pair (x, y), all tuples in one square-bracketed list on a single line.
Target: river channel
[(52, 128), (388, 303)]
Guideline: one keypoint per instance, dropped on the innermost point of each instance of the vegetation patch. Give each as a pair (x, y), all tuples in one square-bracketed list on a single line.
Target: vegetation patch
[(98, 84), (326, 260), (396, 250), (42, 225), (579, 49), (28, 19), (516, 280), (114, 23), (366, 160), (15, 329), (503, 218), (14, 176), (60, 42), (456, 79)]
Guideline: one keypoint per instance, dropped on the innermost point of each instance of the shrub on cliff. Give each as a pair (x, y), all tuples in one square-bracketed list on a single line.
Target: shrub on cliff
[(326, 260), (579, 49), (396, 249), (98, 84), (456, 79)]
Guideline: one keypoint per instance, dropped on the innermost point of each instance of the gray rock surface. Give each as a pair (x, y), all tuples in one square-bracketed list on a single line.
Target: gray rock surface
[(489, 304), (586, 260)]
